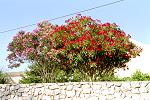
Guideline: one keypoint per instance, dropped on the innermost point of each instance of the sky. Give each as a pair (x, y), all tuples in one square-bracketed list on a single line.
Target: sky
[(133, 16)]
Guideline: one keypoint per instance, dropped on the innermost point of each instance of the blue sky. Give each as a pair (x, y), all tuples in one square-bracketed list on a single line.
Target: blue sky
[(133, 16)]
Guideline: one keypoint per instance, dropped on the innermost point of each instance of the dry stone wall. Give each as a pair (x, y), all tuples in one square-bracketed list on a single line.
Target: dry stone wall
[(77, 91)]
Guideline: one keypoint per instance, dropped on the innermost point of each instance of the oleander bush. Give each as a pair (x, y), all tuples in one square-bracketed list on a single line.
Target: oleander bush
[(82, 44)]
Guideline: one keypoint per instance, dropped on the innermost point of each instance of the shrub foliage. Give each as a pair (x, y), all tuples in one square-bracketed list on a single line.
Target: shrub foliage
[(4, 79)]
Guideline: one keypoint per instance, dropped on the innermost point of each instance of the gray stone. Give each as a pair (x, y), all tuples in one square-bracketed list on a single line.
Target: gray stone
[(12, 96), (26, 89), (56, 92), (93, 98), (39, 85), (1, 93), (136, 97), (135, 84), (62, 96), (36, 92), (30, 97), (97, 92), (63, 87), (4, 98), (96, 87), (145, 96), (86, 86), (117, 84), (60, 84), (82, 96), (69, 87), (86, 91), (135, 91), (34, 98), (19, 94), (56, 97), (109, 84), (21, 90), (55, 86), (49, 92), (87, 95), (12, 88), (75, 98), (6, 93), (24, 94), (7, 88), (46, 98), (147, 84), (16, 86), (70, 93)]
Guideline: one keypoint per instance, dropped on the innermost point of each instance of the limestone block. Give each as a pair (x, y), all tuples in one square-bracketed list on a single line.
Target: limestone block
[(60, 84), (70, 87), (1, 94), (63, 87), (135, 84), (136, 97), (145, 96), (26, 89), (4, 98), (86, 91), (12, 96), (109, 84), (56, 92), (62, 96), (96, 87), (55, 86), (77, 94), (12, 88), (56, 97), (19, 94), (67, 99), (82, 96), (126, 87), (101, 97), (75, 98), (96, 92), (93, 98), (49, 92), (70, 93), (16, 87), (87, 96), (109, 97), (21, 90), (39, 85), (86, 86), (117, 84), (143, 90), (117, 95), (107, 92), (62, 92), (46, 98), (6, 93), (24, 94), (36, 92), (78, 89), (135, 91), (84, 83)]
